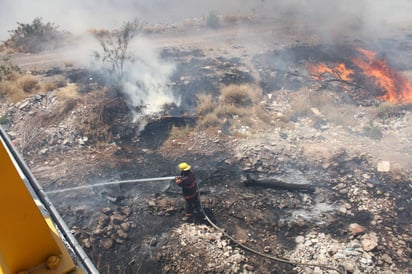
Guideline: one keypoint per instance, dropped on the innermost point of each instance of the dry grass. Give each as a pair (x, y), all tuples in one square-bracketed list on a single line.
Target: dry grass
[(299, 107), (94, 125), (11, 92), (28, 83), (179, 132), (31, 132), (262, 114), (18, 87), (235, 108), (205, 104), (386, 110), (242, 96), (68, 92), (304, 103), (230, 111), (210, 120), (47, 86)]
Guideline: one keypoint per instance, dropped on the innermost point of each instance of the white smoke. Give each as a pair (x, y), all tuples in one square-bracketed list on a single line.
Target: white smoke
[(146, 80), (331, 17)]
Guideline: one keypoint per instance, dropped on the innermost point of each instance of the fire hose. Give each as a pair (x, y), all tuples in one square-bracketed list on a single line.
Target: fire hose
[(111, 183), (273, 258)]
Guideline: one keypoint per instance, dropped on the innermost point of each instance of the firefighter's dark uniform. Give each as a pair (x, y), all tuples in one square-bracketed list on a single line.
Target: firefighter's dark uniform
[(187, 181)]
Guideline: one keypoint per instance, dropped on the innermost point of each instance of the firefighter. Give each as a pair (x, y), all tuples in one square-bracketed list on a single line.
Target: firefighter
[(187, 181)]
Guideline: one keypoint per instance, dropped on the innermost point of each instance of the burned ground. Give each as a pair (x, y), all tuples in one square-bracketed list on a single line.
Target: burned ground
[(356, 214)]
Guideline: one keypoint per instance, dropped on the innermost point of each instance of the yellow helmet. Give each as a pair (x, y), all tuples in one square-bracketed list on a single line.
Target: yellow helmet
[(184, 166)]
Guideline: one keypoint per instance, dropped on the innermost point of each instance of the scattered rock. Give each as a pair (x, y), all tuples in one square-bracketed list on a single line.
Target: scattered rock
[(153, 241), (349, 267), (369, 241), (386, 258), (106, 243), (356, 229)]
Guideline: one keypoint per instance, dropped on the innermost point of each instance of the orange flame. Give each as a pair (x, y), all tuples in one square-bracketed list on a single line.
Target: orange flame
[(397, 87), (340, 71)]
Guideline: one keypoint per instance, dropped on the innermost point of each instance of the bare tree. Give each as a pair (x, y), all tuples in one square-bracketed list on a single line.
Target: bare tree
[(115, 45)]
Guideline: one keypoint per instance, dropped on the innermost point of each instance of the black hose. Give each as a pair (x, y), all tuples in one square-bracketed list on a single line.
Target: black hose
[(278, 259)]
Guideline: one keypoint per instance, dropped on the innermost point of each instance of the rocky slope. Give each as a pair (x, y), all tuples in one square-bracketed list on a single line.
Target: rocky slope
[(356, 216)]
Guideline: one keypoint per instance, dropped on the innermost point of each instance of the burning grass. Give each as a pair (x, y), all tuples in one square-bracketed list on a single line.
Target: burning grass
[(366, 70)]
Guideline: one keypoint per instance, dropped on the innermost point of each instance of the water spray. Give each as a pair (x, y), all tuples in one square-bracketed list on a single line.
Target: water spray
[(143, 180)]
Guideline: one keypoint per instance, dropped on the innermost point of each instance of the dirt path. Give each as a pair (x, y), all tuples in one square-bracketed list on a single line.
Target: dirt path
[(235, 40)]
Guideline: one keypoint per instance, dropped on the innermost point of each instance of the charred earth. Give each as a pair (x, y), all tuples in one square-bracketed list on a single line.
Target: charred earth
[(338, 137)]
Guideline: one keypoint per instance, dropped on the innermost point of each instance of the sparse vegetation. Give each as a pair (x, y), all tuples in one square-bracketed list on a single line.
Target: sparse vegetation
[(235, 107), (48, 86), (19, 87), (209, 120), (115, 45), (35, 37), (386, 110), (317, 106), (179, 132), (28, 83), (7, 69), (299, 106), (240, 95), (31, 132), (373, 132), (205, 104)]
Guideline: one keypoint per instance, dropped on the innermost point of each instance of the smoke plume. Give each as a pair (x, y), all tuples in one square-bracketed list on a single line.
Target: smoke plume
[(145, 81)]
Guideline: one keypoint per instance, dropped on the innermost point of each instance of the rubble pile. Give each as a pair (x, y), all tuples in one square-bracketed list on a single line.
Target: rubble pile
[(112, 228), (200, 242)]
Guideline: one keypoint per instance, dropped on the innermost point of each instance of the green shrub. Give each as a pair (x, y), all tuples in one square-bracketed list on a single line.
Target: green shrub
[(35, 37), (115, 45), (7, 68)]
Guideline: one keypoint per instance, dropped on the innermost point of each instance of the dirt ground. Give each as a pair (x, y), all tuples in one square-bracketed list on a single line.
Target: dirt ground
[(356, 157)]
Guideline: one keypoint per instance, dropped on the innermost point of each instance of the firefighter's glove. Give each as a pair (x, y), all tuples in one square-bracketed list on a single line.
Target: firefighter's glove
[(178, 179)]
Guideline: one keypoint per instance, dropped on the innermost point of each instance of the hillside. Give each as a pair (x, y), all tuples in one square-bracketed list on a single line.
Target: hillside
[(240, 108)]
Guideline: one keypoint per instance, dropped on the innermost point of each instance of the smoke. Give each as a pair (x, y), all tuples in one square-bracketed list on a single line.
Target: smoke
[(145, 81), (330, 20), (329, 16), (333, 21)]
